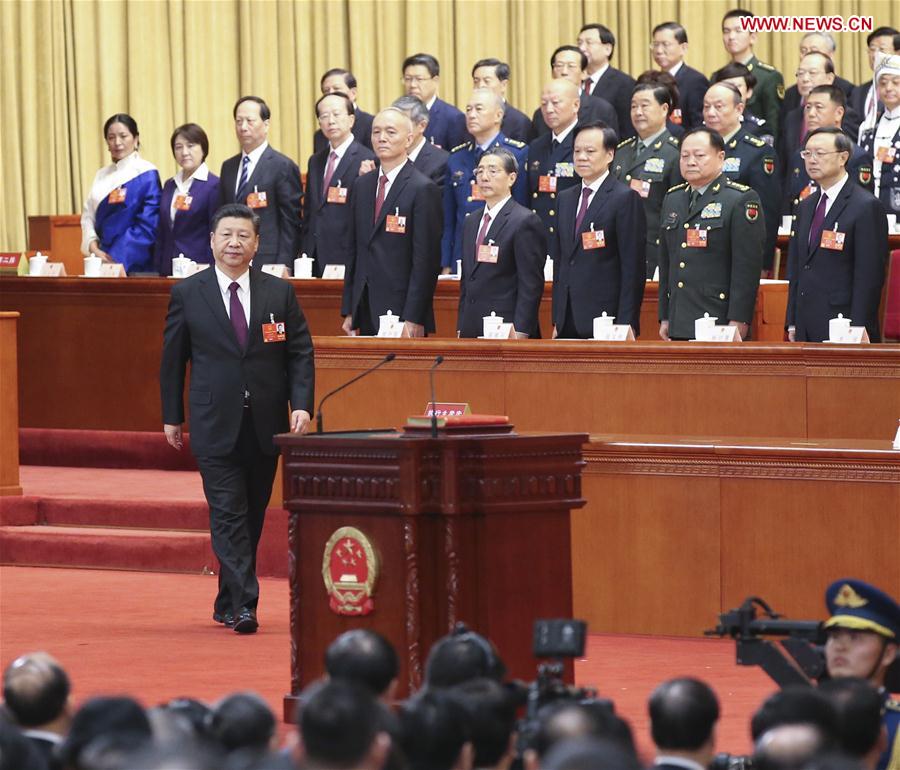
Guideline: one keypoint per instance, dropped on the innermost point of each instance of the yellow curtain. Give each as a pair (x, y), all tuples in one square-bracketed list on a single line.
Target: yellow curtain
[(69, 64)]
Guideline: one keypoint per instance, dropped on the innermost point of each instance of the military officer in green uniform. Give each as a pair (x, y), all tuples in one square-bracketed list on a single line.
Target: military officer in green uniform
[(769, 91), (648, 163), (863, 634), (748, 159), (711, 242)]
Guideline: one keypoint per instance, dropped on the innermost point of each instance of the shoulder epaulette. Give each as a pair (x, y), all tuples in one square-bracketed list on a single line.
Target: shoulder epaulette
[(765, 66), (629, 140), (736, 185), (514, 142), (460, 147), (754, 140), (677, 187), (674, 140)]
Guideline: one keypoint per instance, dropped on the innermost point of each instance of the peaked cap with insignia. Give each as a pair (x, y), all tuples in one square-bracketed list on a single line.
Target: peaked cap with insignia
[(860, 606)]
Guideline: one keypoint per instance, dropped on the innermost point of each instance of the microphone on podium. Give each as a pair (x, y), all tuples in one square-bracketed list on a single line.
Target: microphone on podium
[(386, 360), (437, 362)]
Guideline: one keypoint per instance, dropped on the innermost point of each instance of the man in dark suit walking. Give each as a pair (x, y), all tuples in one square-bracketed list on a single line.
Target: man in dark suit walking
[(395, 237), (683, 716), (446, 124), (597, 42), (839, 247), (329, 179), (430, 159), (266, 181), (250, 353), (503, 247), (601, 239)]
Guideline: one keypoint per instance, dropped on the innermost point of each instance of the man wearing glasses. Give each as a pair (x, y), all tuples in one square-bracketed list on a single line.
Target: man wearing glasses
[(838, 248), (669, 47), (446, 124)]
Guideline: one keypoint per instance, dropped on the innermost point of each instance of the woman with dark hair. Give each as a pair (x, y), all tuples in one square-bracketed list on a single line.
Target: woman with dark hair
[(118, 223), (189, 200)]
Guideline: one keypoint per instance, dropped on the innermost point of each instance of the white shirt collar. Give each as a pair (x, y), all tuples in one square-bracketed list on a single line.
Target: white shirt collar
[(43, 735), (561, 136), (489, 142), (201, 173), (674, 70), (256, 154), (224, 281), (127, 160), (687, 764), (392, 174), (833, 191), (431, 101), (652, 139), (891, 114), (342, 147), (414, 152), (598, 74), (492, 213), (595, 185)]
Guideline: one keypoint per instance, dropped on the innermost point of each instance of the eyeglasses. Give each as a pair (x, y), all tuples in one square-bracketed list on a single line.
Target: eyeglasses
[(488, 171), (410, 80), (817, 154)]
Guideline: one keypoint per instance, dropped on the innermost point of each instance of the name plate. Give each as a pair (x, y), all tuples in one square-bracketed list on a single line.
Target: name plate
[(447, 409), (614, 333), (112, 270), (719, 334), (334, 272), (855, 335), (279, 271), (500, 332), (55, 270), (11, 263)]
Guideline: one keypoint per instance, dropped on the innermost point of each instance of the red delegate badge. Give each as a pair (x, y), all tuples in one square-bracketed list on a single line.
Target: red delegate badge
[(118, 195), (337, 194), (832, 239), (395, 223), (476, 192), (696, 238), (183, 202), (593, 239), (257, 200), (641, 186), (487, 252), (547, 183)]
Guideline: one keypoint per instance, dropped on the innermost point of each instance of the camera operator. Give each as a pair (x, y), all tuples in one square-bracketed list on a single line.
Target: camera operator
[(683, 716), (366, 658), (863, 636)]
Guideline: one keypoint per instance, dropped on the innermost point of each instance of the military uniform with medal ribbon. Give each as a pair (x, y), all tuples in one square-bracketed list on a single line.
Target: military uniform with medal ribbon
[(461, 193), (551, 169), (651, 171), (710, 255), (886, 162)]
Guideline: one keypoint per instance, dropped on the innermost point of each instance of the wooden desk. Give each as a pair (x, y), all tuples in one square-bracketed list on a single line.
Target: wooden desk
[(9, 407), (677, 530)]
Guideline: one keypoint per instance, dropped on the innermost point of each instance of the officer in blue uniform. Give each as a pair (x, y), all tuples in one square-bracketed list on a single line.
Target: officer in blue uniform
[(484, 114), (863, 636)]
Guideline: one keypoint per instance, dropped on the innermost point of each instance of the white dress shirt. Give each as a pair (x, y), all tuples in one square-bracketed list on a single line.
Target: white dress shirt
[(243, 292), (414, 152), (833, 192), (492, 213), (596, 76), (391, 176), (183, 186), (561, 136), (593, 187), (254, 156), (884, 137)]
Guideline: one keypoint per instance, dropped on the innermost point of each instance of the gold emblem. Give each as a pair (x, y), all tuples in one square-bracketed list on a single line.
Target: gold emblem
[(847, 597), (350, 569)]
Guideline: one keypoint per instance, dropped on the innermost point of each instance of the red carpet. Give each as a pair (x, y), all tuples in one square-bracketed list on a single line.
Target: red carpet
[(150, 635)]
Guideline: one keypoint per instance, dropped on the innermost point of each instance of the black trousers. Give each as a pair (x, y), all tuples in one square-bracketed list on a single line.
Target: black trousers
[(568, 330), (238, 487)]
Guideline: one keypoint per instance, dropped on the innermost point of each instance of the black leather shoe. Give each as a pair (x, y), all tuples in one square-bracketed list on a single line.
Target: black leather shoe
[(245, 622), (226, 619)]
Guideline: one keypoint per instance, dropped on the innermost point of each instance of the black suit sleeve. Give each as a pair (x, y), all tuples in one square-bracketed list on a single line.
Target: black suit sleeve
[(868, 259), (289, 193), (631, 226), (350, 269), (530, 245), (426, 253), (299, 355), (793, 265), (175, 355), (305, 234)]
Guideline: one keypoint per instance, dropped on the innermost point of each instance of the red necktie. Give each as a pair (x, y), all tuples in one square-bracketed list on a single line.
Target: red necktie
[(482, 233), (238, 319), (818, 223), (329, 172), (379, 199), (802, 121), (588, 86), (582, 210)]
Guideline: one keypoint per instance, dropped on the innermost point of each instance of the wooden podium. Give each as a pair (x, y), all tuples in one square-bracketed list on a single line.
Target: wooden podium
[(408, 535)]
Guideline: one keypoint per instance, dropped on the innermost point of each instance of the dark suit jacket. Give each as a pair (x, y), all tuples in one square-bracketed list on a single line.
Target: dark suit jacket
[(198, 330), (362, 132), (446, 125), (512, 286), (516, 125), (611, 278), (790, 139), (432, 161), (326, 225), (616, 86), (592, 108), (545, 159), (399, 269), (692, 86), (825, 282), (279, 222), (189, 233), (792, 95)]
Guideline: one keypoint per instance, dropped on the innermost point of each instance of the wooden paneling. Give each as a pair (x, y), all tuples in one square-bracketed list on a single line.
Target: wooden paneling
[(59, 234), (9, 407)]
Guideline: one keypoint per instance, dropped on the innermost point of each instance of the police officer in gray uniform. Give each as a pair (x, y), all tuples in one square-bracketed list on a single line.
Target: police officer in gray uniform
[(710, 246), (648, 163)]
